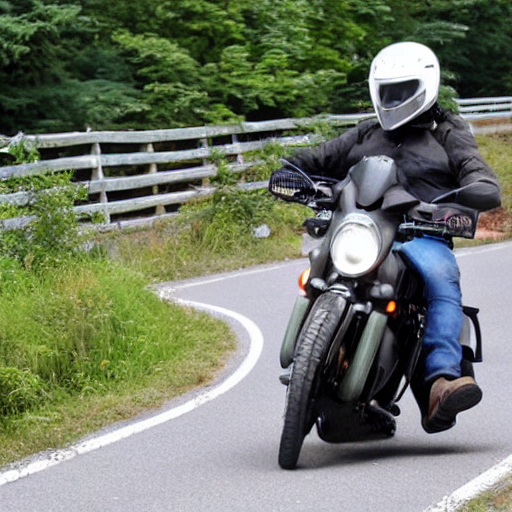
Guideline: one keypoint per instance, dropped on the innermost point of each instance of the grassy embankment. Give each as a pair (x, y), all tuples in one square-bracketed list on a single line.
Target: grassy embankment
[(93, 345), (84, 342)]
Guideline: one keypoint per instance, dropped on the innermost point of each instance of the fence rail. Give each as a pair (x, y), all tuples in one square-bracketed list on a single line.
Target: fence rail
[(155, 171), (474, 109)]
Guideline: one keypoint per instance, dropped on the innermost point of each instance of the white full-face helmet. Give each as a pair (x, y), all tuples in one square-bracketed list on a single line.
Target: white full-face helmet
[(404, 83)]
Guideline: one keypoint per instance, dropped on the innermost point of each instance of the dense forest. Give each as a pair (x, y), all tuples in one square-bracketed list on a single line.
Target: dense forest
[(126, 64)]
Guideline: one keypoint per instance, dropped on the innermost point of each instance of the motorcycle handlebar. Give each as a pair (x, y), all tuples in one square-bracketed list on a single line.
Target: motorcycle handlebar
[(446, 220)]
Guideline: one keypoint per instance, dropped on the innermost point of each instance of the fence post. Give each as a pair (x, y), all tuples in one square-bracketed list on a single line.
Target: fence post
[(239, 156), (153, 169), (205, 182), (97, 174)]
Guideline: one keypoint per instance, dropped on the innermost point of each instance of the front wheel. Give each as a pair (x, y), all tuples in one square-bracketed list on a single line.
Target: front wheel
[(312, 348)]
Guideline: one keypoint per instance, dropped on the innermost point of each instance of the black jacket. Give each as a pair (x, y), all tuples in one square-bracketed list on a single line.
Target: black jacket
[(431, 162)]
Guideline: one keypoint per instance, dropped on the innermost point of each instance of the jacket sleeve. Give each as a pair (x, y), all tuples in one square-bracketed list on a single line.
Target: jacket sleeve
[(329, 159), (479, 186)]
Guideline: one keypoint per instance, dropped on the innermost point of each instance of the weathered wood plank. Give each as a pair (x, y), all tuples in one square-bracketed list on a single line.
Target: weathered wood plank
[(149, 180), (16, 198), (141, 203), (489, 115), (44, 166), (142, 158), (16, 222), (189, 133), (480, 101)]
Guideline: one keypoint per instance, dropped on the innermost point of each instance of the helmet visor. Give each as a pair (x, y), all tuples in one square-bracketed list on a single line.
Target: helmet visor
[(393, 95), (391, 118)]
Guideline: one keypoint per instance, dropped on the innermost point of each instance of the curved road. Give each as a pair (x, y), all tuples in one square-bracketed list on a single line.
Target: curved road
[(218, 451)]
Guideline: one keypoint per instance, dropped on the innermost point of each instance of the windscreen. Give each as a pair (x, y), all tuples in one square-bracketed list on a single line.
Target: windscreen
[(373, 176)]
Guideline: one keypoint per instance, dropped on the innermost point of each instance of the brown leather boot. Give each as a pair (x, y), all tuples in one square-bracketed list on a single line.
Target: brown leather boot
[(447, 399)]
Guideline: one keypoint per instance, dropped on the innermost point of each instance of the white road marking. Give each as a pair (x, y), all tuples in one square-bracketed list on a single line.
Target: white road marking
[(255, 349), (448, 504), (487, 480), (468, 251), (232, 275), (482, 483)]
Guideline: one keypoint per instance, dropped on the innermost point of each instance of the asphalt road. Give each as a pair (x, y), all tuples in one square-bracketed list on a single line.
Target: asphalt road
[(218, 452)]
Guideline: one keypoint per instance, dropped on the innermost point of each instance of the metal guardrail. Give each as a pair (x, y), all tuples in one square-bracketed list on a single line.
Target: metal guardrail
[(166, 168), (485, 108)]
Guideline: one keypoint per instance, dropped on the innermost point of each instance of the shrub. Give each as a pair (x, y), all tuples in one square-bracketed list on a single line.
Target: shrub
[(20, 390), (52, 233)]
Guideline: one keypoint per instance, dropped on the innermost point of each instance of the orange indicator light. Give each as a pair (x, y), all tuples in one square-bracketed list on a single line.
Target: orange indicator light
[(391, 307), (303, 279)]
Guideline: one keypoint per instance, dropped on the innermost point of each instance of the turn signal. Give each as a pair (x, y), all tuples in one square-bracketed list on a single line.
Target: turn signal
[(391, 307), (303, 279)]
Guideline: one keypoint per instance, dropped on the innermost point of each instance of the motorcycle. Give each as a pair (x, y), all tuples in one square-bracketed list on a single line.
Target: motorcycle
[(353, 341)]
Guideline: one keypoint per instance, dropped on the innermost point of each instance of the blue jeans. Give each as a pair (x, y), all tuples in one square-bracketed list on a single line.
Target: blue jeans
[(433, 259)]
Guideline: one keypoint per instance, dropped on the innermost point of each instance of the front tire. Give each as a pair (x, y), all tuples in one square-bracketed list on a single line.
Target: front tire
[(312, 348)]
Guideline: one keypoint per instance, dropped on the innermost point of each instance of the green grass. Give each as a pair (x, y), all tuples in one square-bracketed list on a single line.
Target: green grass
[(92, 345), (212, 236), (499, 499), (496, 151), (88, 343)]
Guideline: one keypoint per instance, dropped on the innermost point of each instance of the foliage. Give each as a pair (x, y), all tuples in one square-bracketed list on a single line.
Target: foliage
[(86, 343), (22, 153), (170, 77), (495, 149), (464, 34), (481, 64), (53, 233), (67, 65), (225, 222), (447, 97), (41, 58), (21, 390)]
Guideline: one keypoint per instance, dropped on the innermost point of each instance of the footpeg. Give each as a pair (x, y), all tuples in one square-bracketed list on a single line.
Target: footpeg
[(395, 410), (284, 378)]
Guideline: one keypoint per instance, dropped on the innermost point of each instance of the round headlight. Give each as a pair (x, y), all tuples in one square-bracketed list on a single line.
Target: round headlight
[(356, 246)]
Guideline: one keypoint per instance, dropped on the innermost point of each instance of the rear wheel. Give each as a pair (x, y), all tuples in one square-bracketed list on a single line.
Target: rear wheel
[(312, 348)]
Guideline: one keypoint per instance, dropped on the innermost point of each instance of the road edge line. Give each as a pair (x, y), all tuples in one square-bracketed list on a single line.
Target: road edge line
[(248, 363), (474, 488)]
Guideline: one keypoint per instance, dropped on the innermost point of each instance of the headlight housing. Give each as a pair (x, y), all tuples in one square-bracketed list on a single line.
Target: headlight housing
[(356, 245)]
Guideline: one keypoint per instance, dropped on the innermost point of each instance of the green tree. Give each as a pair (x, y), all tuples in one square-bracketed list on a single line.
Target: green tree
[(472, 39), (33, 49), (43, 88), (483, 63), (203, 27), (69, 64), (169, 77)]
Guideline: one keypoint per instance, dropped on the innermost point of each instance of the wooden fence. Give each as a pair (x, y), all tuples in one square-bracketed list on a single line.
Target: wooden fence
[(138, 176)]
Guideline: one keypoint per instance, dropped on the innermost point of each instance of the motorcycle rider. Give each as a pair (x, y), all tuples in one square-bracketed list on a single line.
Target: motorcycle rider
[(436, 155)]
